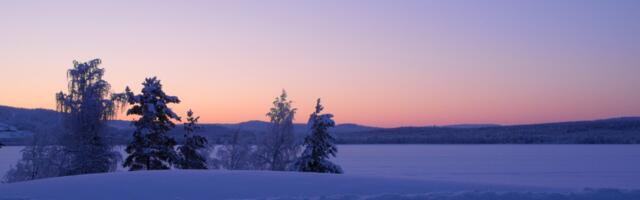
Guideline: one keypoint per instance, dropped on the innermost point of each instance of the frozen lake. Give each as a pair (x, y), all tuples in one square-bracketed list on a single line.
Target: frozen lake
[(567, 166), (570, 166)]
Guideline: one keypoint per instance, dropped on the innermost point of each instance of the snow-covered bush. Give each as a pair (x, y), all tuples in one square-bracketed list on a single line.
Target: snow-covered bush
[(236, 153), (318, 145), (40, 159)]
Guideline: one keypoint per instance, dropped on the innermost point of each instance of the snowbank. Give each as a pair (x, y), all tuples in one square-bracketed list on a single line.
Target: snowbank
[(213, 184)]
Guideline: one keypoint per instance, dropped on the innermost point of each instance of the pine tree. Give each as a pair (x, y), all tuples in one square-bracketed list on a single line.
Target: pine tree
[(86, 107), (278, 148), (151, 148), (190, 153), (319, 145)]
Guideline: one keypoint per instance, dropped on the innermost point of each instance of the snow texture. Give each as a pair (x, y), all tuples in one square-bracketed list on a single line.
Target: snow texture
[(216, 184)]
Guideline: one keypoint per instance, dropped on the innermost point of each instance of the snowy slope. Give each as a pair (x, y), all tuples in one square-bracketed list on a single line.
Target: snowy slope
[(214, 184)]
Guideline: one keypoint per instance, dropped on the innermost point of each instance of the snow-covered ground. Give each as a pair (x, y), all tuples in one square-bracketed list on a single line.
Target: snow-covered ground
[(391, 172), (566, 166), (216, 184)]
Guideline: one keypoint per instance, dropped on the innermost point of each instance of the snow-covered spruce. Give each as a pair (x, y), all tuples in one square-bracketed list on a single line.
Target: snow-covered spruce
[(191, 152), (151, 148), (278, 149), (318, 145)]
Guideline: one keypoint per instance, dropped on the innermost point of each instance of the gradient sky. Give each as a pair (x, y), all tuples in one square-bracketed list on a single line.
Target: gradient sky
[(382, 63)]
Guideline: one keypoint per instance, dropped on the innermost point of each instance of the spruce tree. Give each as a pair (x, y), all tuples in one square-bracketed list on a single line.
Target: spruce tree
[(151, 148), (318, 145), (190, 153), (86, 107)]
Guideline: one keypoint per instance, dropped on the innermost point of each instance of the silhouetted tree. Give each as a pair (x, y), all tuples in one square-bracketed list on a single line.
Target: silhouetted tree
[(151, 148), (278, 147), (319, 145), (190, 153), (86, 107)]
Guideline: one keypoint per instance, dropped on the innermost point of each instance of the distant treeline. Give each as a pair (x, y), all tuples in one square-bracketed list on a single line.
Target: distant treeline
[(612, 131)]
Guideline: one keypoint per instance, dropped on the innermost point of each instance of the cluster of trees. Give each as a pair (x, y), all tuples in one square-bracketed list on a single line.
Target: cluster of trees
[(84, 147), (279, 149), (151, 147)]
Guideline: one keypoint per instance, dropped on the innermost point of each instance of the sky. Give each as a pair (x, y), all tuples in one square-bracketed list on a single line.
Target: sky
[(379, 63)]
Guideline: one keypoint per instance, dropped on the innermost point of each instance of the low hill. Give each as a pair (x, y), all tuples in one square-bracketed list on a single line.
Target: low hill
[(29, 121), (23, 123), (20, 124)]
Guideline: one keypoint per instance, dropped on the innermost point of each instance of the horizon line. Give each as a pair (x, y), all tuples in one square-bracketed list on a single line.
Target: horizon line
[(400, 126)]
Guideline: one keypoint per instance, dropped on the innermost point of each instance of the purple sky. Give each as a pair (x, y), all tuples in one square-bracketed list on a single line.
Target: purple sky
[(383, 63)]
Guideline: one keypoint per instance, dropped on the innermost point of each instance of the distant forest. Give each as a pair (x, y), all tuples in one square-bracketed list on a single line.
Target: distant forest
[(610, 131), (17, 124)]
